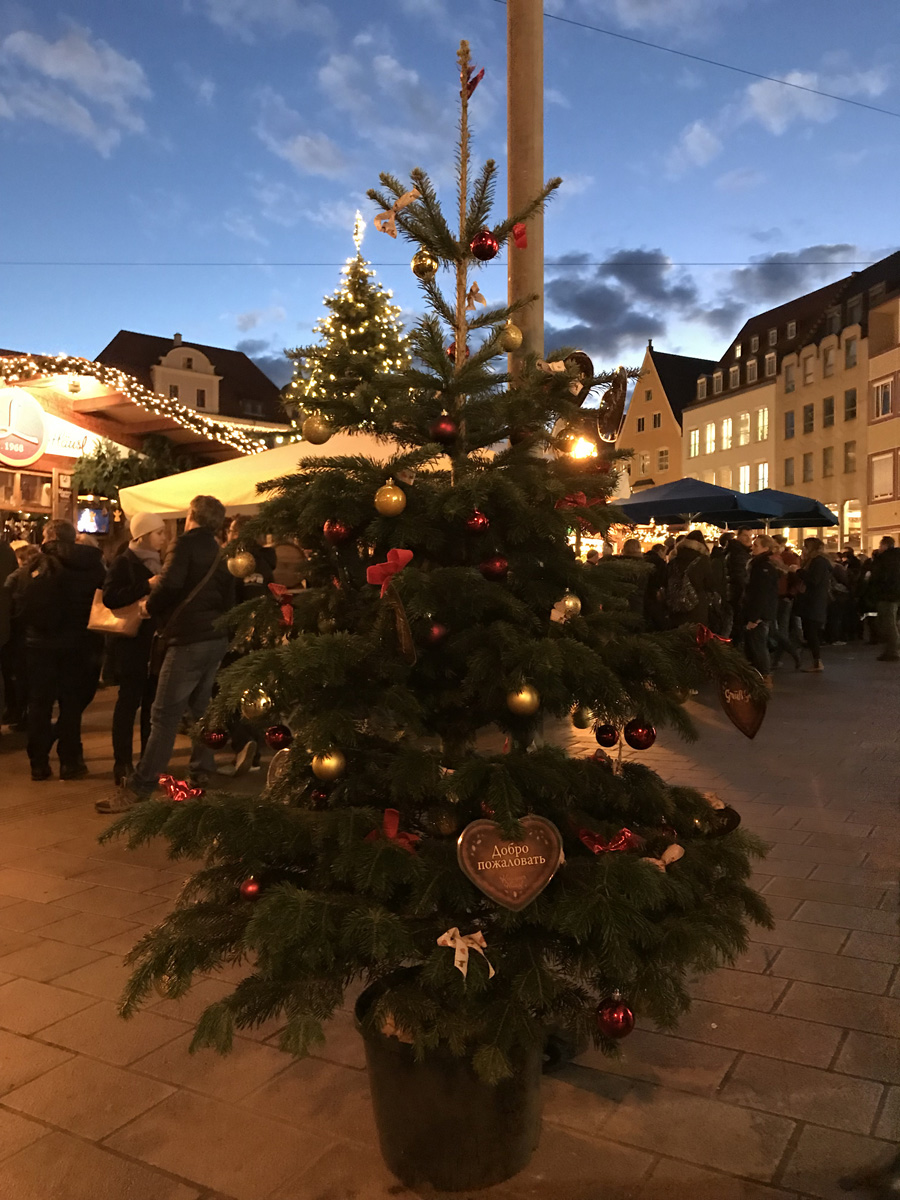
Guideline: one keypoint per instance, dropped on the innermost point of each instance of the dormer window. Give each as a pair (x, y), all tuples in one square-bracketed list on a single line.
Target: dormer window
[(701, 388), (773, 337), (754, 345), (737, 350), (188, 364), (791, 332), (734, 377), (717, 383)]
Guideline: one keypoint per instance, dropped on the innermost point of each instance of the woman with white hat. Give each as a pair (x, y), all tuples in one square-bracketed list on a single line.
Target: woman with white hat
[(129, 579)]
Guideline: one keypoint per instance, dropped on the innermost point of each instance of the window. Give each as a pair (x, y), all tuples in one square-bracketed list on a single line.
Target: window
[(791, 331), (808, 369), (882, 476), (644, 464), (648, 395), (807, 468), (876, 294), (737, 349), (657, 420), (789, 424), (188, 364), (827, 412), (717, 383), (770, 365), (788, 472), (751, 370), (828, 361), (762, 475), (173, 391), (662, 460), (789, 382), (762, 424), (754, 345), (640, 424), (850, 353), (773, 337), (201, 397), (854, 310), (744, 478), (694, 444), (827, 461), (833, 321), (724, 477), (710, 439), (734, 377), (883, 399), (727, 427), (701, 388), (809, 418), (849, 457), (743, 429), (850, 404)]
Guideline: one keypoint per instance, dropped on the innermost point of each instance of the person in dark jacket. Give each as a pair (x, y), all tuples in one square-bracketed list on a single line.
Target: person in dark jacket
[(129, 579), (811, 604), (194, 591), (761, 603), (689, 581), (737, 558), (14, 655), (655, 595), (721, 617), (63, 658), (8, 564), (884, 586)]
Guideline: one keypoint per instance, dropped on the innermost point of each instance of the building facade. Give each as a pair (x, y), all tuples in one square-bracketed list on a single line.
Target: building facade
[(880, 468), (728, 438)]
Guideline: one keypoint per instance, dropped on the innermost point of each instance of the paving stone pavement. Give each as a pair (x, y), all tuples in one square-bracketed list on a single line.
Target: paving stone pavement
[(783, 1078)]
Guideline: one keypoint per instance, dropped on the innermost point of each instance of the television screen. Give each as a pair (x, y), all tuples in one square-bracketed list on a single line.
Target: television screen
[(93, 520)]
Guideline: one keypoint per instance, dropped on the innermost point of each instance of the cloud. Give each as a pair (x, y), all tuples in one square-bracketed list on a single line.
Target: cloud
[(635, 14), (269, 360), (241, 225), (246, 18), (774, 278), (78, 84), (696, 146), (742, 179), (246, 321), (575, 183), (284, 131), (555, 96)]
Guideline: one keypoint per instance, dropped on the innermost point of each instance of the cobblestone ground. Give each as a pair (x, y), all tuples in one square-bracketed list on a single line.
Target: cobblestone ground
[(783, 1078)]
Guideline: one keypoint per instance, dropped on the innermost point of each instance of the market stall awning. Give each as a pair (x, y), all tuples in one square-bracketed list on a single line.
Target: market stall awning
[(798, 511), (694, 500)]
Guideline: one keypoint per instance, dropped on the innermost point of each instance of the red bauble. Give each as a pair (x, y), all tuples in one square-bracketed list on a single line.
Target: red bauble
[(318, 799), (639, 735), (444, 430), (336, 532), (436, 633), (451, 351), (495, 568), (250, 888), (278, 737), (214, 738), (614, 1018), (606, 735), (478, 522), (484, 245)]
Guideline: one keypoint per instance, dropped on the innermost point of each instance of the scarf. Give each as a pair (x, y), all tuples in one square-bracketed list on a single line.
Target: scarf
[(150, 558)]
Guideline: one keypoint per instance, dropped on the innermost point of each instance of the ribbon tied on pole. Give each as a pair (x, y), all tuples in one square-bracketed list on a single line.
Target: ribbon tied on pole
[(473, 80), (383, 573), (461, 946), (391, 830), (386, 222), (520, 235)]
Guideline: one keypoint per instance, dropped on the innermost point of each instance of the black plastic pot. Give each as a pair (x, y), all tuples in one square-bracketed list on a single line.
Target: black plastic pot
[(439, 1124)]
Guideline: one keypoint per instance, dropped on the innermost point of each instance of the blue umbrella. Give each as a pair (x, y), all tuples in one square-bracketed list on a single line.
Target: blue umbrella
[(693, 500), (797, 510)]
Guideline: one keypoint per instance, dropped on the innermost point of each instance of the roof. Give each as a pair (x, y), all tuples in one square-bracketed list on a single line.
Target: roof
[(678, 376), (241, 378)]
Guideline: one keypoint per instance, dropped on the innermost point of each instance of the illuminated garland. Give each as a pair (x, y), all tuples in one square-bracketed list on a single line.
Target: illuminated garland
[(26, 368)]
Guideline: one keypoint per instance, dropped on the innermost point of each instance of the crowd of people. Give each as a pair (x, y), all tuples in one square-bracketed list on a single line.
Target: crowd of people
[(769, 600)]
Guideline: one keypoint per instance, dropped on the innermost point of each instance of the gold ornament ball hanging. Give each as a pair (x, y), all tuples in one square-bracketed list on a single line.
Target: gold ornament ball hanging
[(571, 604), (316, 430), (510, 338), (241, 564), (390, 500), (256, 703), (525, 702), (328, 766), (424, 265)]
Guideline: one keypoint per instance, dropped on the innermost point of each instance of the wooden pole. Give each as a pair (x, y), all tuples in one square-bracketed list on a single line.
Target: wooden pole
[(525, 163)]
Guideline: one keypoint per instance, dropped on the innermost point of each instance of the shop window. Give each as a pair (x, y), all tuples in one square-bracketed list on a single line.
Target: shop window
[(7, 486), (37, 491)]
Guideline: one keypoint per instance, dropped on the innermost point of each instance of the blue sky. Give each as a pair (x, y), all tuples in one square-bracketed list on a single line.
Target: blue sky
[(247, 131)]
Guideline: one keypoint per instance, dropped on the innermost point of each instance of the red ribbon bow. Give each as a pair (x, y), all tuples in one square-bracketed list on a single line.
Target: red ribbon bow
[(623, 840), (390, 829), (384, 572), (705, 635), (520, 235), (282, 596), (179, 789), (577, 500), (473, 81)]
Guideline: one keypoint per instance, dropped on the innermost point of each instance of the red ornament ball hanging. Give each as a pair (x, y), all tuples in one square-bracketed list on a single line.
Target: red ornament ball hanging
[(436, 633), (606, 735), (278, 737), (639, 735), (250, 888), (444, 430), (484, 246), (614, 1018), (336, 532), (478, 522), (214, 738), (495, 568), (451, 351)]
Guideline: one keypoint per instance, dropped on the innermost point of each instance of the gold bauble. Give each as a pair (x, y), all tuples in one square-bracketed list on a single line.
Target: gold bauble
[(525, 702), (390, 500), (328, 766), (582, 717), (424, 265), (511, 337), (256, 703), (316, 430), (241, 564), (571, 604)]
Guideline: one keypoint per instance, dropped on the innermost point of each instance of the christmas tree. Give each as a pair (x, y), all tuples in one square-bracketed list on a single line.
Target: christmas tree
[(419, 809), (361, 337)]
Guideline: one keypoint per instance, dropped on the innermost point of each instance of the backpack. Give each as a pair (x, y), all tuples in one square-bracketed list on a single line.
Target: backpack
[(681, 595)]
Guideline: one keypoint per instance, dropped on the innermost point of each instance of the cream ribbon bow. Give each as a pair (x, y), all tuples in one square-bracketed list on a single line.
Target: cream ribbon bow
[(671, 854), (551, 368), (386, 222), (461, 947), (474, 296)]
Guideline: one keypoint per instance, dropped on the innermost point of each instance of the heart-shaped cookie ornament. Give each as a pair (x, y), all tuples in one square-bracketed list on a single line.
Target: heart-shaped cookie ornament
[(510, 871)]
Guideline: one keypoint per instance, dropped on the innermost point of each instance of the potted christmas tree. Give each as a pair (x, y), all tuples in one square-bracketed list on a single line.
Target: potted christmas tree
[(421, 834)]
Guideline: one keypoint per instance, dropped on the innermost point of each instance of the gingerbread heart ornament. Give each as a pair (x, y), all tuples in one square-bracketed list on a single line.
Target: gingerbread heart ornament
[(510, 871)]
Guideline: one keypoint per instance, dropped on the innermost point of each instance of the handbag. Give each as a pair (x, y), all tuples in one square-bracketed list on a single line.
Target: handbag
[(160, 643), (122, 621)]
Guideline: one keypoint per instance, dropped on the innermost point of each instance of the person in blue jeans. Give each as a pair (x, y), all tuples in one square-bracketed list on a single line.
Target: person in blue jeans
[(194, 591)]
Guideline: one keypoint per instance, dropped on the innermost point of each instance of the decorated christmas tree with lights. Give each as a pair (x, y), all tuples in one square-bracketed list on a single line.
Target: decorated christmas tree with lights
[(420, 831), (360, 338)]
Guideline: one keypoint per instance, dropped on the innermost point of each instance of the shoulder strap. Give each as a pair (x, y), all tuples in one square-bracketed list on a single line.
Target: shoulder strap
[(192, 594)]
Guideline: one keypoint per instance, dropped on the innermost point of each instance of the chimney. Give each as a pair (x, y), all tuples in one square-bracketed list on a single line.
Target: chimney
[(177, 339)]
